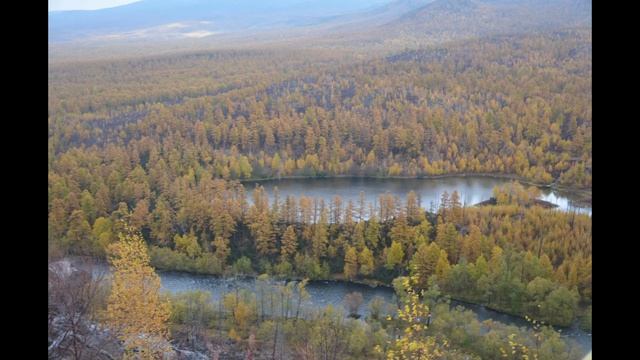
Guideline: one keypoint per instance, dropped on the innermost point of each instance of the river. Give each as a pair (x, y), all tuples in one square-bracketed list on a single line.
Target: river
[(472, 190), (323, 293)]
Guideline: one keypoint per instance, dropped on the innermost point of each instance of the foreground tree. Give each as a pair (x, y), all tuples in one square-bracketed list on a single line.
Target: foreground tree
[(414, 343), (135, 310)]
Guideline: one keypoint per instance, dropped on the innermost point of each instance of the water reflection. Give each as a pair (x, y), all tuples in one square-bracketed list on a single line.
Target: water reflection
[(472, 190)]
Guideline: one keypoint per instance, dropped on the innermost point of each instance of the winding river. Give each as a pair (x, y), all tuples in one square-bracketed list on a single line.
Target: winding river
[(472, 190), (323, 293)]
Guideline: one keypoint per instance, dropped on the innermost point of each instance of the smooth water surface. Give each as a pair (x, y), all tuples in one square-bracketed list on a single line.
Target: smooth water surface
[(472, 190)]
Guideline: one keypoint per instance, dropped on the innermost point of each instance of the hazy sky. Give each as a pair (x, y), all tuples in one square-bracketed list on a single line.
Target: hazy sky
[(85, 4)]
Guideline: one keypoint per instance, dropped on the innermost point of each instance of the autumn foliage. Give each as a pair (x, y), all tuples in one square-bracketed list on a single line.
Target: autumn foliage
[(135, 310)]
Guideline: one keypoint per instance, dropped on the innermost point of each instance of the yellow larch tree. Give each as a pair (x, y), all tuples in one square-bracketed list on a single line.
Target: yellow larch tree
[(414, 343), (135, 310)]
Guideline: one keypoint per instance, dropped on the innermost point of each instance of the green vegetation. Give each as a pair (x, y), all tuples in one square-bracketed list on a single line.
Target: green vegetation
[(255, 321)]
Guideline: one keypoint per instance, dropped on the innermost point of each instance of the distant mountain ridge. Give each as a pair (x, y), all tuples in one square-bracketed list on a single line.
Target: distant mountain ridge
[(499, 14), (160, 26), (213, 16)]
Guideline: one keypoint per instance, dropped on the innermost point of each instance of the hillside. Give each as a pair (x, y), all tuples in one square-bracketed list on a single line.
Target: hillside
[(163, 26), (178, 18)]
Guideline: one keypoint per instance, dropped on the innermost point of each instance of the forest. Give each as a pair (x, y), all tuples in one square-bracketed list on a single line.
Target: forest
[(508, 105), (147, 158)]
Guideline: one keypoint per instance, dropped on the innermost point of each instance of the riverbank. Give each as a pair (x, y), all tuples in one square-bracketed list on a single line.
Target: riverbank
[(362, 285), (576, 324), (331, 291), (373, 283), (334, 279), (323, 293)]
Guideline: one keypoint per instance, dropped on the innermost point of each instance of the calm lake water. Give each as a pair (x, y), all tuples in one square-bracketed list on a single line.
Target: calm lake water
[(472, 190)]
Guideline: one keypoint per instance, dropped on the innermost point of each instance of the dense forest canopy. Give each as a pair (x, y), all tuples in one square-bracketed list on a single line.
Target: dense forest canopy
[(508, 105), (147, 155), (156, 140)]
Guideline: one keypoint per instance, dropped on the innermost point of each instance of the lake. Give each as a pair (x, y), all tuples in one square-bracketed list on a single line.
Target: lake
[(472, 190)]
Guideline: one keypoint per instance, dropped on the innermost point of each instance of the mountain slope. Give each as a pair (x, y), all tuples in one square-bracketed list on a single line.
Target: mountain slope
[(212, 16), (160, 26), (444, 20), (413, 23)]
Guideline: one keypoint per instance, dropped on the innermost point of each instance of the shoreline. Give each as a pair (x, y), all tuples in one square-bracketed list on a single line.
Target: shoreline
[(336, 279), (583, 192)]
